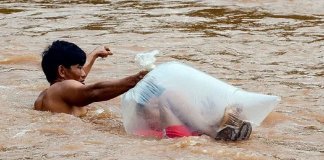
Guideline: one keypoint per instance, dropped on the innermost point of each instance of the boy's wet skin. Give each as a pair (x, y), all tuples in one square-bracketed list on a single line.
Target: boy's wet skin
[(66, 66)]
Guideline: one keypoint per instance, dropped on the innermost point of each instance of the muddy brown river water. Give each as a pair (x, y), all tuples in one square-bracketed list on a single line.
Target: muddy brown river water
[(268, 46)]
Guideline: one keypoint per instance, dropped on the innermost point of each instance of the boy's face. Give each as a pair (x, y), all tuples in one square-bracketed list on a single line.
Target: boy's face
[(75, 72)]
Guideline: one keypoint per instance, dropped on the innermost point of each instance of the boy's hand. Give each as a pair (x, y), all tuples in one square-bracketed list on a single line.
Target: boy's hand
[(102, 51), (140, 75), (134, 79)]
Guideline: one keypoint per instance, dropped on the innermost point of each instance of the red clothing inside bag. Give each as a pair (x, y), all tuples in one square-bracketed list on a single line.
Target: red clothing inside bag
[(170, 131)]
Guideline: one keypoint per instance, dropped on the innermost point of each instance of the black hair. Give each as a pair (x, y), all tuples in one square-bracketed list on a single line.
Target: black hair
[(61, 53)]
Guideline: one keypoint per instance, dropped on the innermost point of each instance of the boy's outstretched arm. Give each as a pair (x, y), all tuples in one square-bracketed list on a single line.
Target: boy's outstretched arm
[(74, 93)]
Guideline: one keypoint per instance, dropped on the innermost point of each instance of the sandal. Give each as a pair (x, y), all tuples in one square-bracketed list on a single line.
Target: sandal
[(227, 134), (234, 128), (245, 131)]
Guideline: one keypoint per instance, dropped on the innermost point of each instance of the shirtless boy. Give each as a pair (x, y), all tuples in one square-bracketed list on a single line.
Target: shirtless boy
[(66, 66)]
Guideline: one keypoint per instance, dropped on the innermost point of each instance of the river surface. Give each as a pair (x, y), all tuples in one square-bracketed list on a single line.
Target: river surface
[(268, 46)]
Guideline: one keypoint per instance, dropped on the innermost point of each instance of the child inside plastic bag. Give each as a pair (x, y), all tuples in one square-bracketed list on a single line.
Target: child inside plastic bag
[(163, 113), (176, 100)]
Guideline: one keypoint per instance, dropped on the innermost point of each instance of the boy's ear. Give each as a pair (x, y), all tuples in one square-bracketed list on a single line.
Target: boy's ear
[(61, 71)]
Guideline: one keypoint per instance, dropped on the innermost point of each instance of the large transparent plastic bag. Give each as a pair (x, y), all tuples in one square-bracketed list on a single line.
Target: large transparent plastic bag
[(196, 98)]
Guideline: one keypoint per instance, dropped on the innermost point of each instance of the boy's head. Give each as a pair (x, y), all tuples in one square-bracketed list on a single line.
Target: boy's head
[(58, 58)]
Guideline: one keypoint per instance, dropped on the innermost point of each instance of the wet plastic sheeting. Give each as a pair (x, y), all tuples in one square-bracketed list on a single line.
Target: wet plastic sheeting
[(196, 98)]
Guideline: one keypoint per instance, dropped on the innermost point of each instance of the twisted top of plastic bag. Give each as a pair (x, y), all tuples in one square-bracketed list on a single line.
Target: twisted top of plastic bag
[(147, 59)]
